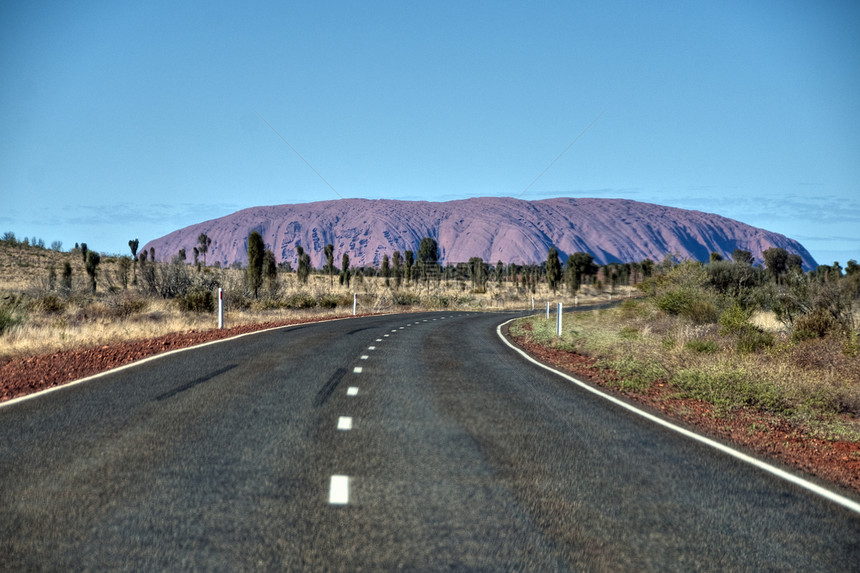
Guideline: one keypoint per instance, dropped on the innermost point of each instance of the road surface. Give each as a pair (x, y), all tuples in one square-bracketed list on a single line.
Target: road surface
[(417, 442)]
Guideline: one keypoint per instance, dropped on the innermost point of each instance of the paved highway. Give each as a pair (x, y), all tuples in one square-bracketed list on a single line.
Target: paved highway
[(417, 442)]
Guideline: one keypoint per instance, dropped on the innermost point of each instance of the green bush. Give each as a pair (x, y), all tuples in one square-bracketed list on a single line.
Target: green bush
[(693, 304), (729, 389), (702, 346), (406, 298), (735, 320), (300, 300), (816, 324), (197, 300)]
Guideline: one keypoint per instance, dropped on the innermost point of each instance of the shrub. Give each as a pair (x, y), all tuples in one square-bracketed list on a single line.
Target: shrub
[(300, 300), (694, 304), (729, 389), (702, 346), (197, 300), (406, 298), (816, 324)]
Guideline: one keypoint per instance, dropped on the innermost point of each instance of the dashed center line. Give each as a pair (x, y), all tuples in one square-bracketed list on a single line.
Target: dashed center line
[(357, 370), (338, 493), (379, 340), (364, 356), (352, 391), (386, 335), (371, 348), (344, 423)]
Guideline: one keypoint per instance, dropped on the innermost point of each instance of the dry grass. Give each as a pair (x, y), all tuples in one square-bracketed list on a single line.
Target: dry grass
[(815, 382), (45, 320)]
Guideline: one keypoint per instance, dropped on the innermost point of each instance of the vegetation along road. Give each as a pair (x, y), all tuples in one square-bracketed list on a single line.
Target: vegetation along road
[(416, 442)]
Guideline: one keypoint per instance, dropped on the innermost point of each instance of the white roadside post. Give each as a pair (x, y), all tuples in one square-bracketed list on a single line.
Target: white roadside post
[(354, 303), (220, 309), (558, 321), (533, 303), (547, 310), (575, 300)]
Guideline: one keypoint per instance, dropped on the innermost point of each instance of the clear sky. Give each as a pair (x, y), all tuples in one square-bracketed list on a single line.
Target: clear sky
[(133, 119)]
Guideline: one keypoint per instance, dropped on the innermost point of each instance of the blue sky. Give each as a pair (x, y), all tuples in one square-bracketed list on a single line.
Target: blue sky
[(132, 119)]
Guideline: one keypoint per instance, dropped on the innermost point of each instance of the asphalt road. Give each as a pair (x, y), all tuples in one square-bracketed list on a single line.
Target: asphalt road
[(454, 453)]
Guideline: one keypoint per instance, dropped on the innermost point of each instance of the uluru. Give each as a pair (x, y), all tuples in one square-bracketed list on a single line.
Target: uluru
[(492, 228)]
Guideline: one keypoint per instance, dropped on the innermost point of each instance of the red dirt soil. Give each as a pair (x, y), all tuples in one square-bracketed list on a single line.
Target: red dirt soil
[(768, 436)]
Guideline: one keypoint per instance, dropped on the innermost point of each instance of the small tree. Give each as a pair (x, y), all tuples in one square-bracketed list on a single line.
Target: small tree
[(742, 257), (204, 241), (428, 256), (122, 271), (328, 250), (409, 261), (132, 245), (398, 269), (93, 260), (386, 270), (345, 273), (256, 250), (304, 265), (270, 270), (84, 251), (553, 269), (67, 276)]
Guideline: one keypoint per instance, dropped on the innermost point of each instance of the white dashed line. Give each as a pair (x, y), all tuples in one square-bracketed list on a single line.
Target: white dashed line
[(357, 370), (352, 391), (371, 348), (379, 340), (364, 356), (344, 423), (386, 335), (338, 493)]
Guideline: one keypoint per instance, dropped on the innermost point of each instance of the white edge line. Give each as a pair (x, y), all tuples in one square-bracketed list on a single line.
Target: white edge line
[(799, 481), (156, 357)]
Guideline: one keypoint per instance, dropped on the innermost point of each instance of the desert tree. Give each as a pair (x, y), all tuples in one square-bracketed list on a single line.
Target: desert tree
[(254, 271), (67, 277), (428, 255), (409, 260), (715, 257), (743, 257), (578, 266), (553, 269), (52, 278), (776, 262), (345, 273), (133, 245), (122, 271), (93, 260), (398, 269), (152, 254), (270, 270), (478, 273), (304, 265), (328, 250), (204, 241), (386, 270), (57, 246), (84, 251)]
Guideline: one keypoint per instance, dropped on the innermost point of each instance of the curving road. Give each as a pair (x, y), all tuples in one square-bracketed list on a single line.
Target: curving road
[(416, 442)]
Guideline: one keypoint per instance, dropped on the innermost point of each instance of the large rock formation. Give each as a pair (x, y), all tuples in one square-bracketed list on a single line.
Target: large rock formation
[(493, 228)]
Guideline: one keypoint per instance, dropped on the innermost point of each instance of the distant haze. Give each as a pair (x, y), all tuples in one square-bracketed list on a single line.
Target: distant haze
[(493, 228)]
